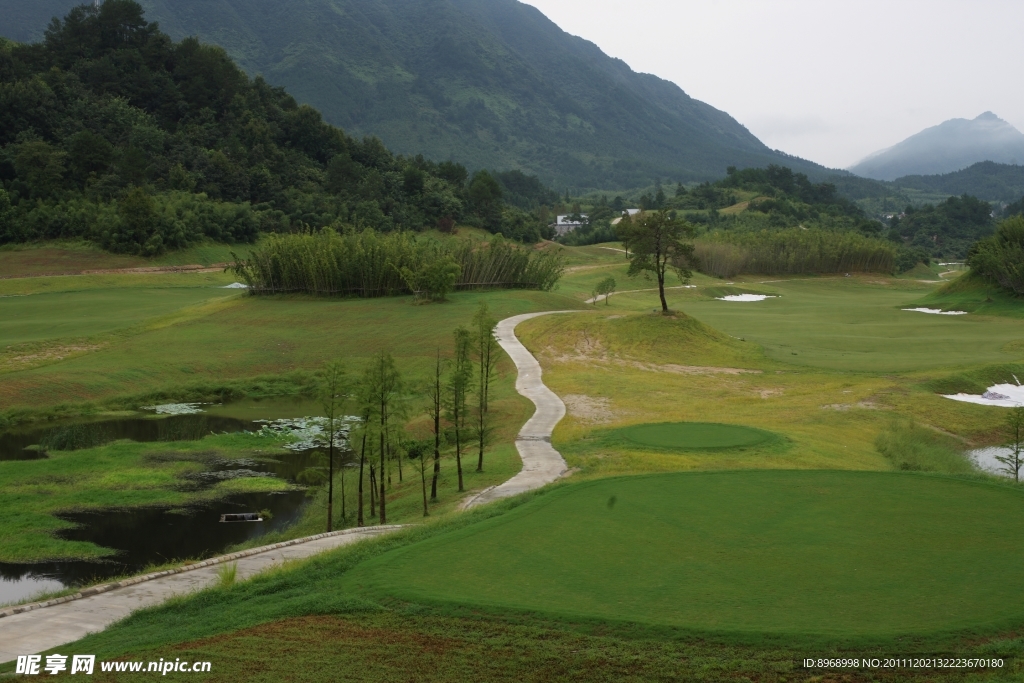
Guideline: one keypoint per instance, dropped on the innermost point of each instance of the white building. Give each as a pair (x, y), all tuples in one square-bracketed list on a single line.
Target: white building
[(564, 224)]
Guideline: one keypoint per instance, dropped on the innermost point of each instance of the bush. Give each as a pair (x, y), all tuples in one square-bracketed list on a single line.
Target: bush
[(793, 251), (1001, 257), (371, 264), (911, 447)]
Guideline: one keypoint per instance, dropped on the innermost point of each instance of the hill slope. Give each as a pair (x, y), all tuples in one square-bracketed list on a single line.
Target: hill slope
[(947, 147), (489, 83)]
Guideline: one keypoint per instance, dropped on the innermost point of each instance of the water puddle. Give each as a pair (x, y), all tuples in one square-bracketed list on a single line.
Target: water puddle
[(149, 536), (987, 459), (152, 536)]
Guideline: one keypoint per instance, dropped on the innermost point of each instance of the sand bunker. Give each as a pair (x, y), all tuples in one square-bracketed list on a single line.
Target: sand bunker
[(1001, 395), (935, 311), (235, 285), (746, 297)]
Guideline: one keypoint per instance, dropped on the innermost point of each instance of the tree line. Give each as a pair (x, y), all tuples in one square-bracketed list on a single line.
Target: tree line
[(372, 264), (112, 132), (455, 399)]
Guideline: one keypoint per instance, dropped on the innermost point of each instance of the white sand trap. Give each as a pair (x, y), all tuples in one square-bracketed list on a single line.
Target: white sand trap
[(235, 285), (746, 297), (1001, 395), (935, 311)]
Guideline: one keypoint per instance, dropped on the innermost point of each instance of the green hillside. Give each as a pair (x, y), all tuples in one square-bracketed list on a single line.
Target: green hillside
[(488, 83), (112, 132)]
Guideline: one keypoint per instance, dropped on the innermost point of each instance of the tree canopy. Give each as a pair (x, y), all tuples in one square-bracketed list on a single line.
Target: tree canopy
[(112, 132)]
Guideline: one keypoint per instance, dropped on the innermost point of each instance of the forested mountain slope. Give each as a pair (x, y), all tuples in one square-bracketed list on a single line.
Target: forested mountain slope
[(489, 83), (112, 132)]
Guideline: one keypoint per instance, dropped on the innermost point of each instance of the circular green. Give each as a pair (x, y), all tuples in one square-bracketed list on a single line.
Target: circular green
[(694, 435)]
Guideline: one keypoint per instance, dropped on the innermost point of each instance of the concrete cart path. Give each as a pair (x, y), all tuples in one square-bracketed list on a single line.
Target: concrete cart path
[(542, 464), (34, 631)]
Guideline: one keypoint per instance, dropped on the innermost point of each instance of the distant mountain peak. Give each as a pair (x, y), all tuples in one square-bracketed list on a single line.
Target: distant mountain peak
[(950, 146)]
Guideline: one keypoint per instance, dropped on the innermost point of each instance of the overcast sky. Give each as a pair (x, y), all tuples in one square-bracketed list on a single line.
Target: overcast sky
[(828, 80)]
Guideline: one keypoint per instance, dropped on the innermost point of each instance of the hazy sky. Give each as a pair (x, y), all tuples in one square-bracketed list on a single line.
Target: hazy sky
[(827, 80)]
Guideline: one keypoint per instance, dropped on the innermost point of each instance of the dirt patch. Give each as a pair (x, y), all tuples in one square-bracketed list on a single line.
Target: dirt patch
[(21, 359), (582, 356), (768, 393), (864, 405), (589, 409)]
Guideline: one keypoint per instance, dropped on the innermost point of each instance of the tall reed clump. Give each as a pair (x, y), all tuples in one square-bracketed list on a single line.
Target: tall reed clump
[(794, 251), (911, 447), (372, 264)]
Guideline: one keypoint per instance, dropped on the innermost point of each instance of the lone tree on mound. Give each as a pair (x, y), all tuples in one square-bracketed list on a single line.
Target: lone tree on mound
[(1013, 460), (656, 242)]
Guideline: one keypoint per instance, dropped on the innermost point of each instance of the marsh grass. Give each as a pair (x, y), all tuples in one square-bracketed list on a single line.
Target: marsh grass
[(227, 573), (913, 448)]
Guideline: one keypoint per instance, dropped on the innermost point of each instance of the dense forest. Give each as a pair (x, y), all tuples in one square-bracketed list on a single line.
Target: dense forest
[(946, 230), (112, 132), (487, 83)]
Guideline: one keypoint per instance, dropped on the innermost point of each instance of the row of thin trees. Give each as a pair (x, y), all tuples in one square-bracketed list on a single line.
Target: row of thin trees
[(456, 401), (795, 251), (373, 264)]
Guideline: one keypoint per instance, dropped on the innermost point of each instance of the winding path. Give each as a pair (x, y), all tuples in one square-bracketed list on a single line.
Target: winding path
[(26, 630), (542, 464)]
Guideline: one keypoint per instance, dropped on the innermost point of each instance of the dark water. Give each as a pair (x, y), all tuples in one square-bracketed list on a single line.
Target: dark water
[(143, 537), (149, 536)]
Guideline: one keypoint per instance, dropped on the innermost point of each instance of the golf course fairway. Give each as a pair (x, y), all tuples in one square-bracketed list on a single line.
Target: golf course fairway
[(694, 435), (847, 554)]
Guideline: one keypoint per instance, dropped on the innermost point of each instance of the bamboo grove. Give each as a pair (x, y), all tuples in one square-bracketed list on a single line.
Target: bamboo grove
[(792, 251), (372, 264)]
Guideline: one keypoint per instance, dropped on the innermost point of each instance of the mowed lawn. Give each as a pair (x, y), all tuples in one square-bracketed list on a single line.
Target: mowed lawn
[(77, 314), (813, 552), (849, 324), (239, 336)]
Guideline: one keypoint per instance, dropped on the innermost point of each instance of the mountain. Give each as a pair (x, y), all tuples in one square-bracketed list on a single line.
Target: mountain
[(111, 132), (987, 180), (947, 147), (488, 83)]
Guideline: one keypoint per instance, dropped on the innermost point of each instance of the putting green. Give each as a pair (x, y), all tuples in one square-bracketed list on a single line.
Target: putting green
[(687, 435), (799, 552)]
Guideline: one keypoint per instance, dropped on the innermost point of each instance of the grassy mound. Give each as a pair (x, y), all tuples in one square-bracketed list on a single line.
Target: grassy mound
[(694, 435), (813, 552), (975, 294)]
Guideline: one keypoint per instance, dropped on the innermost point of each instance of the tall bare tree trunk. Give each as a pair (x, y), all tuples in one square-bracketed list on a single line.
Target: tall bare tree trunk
[(436, 414), (373, 492), (362, 461)]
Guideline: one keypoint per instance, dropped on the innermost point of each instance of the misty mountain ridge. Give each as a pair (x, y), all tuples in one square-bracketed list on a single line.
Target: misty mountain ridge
[(946, 148), (488, 83)]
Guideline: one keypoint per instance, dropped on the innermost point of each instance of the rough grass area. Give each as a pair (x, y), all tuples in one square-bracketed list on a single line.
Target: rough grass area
[(913, 448), (975, 294), (849, 554), (694, 435), (70, 258)]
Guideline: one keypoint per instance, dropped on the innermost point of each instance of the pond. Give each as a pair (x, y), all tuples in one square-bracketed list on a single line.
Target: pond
[(148, 536)]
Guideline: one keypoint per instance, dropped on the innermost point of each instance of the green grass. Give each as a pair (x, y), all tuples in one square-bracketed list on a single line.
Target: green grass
[(847, 554), (694, 435), (974, 294), (847, 324), (69, 315)]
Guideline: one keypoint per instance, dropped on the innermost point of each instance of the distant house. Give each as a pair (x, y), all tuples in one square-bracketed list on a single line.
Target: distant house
[(627, 212), (564, 224)]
